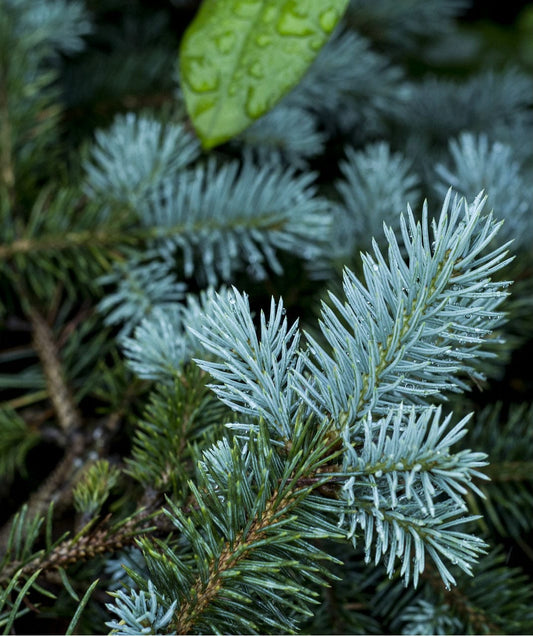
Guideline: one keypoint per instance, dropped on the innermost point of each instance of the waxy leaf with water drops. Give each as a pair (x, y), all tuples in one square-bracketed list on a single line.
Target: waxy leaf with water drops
[(239, 57)]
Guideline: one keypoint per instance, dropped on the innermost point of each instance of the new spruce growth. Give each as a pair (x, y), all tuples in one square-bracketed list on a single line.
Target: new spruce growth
[(262, 388)]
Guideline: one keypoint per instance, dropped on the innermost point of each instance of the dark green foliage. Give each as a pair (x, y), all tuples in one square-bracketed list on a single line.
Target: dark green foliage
[(16, 441), (507, 503), (178, 418)]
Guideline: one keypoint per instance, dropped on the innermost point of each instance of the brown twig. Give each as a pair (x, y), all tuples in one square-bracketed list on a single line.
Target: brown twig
[(81, 441), (67, 414), (96, 542), (53, 489), (59, 392), (201, 594)]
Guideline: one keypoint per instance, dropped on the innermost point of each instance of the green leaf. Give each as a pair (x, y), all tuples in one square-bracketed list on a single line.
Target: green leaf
[(239, 57)]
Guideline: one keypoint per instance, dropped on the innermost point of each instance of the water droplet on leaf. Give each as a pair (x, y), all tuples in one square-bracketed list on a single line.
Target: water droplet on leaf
[(201, 76), (263, 40), (315, 44), (204, 104), (291, 24), (246, 8), (225, 42), (257, 103), (256, 70), (328, 19)]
